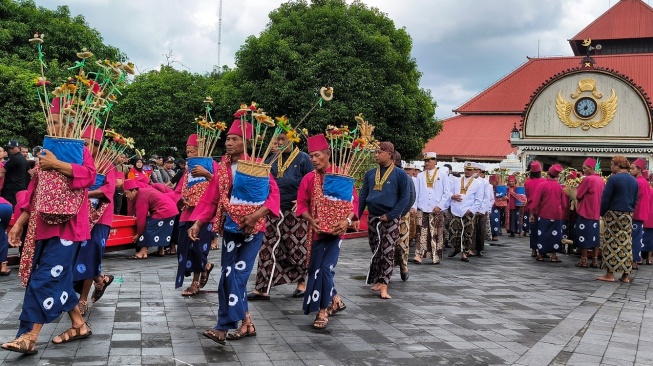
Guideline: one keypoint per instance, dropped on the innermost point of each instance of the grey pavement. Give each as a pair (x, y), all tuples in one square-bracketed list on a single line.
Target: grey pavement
[(504, 308)]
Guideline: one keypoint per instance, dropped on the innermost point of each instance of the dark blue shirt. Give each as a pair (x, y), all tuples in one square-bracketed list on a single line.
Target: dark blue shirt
[(289, 183), (620, 193), (392, 200)]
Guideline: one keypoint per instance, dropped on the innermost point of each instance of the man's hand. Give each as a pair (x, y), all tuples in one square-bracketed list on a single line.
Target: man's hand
[(49, 161), (436, 209), (315, 224), (14, 235), (340, 227), (194, 231), (247, 223), (383, 218), (199, 171), (531, 219), (457, 198), (412, 210), (135, 238)]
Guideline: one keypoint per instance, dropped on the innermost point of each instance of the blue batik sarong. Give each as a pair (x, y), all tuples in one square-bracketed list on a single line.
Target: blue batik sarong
[(638, 233), (320, 285), (192, 255), (587, 232), (495, 221), (49, 291), (549, 235), (647, 239), (533, 237), (237, 261), (5, 216), (157, 233), (89, 258)]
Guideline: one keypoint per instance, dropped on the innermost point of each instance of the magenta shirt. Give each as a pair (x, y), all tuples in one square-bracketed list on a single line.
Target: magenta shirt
[(648, 223), (77, 228), (187, 213), (108, 189), (589, 194), (549, 200), (643, 191), (150, 201), (207, 207), (530, 186)]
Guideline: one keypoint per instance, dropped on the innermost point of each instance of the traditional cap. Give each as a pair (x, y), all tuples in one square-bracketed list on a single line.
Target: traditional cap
[(130, 184), (120, 175), (572, 175), (237, 130), (430, 155), (555, 170), (480, 167), (590, 162), (494, 179), (512, 177), (640, 163), (409, 166), (469, 165), (387, 147), (192, 140), (317, 143), (535, 167), (97, 131), (13, 143)]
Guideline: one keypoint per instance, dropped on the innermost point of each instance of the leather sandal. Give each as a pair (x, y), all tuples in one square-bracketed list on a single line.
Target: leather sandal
[(83, 307), (73, 334), (336, 306), (321, 319), (99, 289), (23, 344), (204, 277), (192, 290), (217, 336), (246, 329)]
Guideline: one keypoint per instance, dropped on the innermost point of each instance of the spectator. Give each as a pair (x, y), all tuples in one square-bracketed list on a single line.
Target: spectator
[(155, 173), (15, 170), (3, 154), (24, 150), (168, 171)]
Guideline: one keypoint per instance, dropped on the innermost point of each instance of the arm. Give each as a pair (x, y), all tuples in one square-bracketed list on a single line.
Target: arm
[(273, 202), (107, 189), (404, 196), (208, 204), (583, 189), (362, 201), (607, 196), (141, 213), (417, 190)]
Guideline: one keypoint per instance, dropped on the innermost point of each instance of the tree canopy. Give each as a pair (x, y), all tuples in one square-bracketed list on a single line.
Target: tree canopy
[(355, 49)]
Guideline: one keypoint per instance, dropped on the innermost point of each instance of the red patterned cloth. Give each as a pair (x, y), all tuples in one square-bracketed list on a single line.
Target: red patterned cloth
[(191, 196), (27, 256), (55, 201), (96, 214)]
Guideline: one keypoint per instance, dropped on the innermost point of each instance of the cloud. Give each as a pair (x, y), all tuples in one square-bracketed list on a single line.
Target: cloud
[(461, 47)]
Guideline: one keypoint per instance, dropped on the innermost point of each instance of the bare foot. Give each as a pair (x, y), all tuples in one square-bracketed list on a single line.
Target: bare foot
[(606, 278), (301, 286), (625, 279), (384, 292), (376, 287)]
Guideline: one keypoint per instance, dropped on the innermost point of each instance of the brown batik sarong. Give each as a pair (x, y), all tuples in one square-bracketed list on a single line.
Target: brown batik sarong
[(403, 244), (617, 242), (412, 225), (290, 254), (462, 229), (383, 238), (447, 223), (431, 236)]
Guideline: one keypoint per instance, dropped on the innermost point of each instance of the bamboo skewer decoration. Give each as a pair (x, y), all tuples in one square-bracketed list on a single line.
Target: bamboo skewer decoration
[(350, 150), (85, 99), (113, 145), (208, 132)]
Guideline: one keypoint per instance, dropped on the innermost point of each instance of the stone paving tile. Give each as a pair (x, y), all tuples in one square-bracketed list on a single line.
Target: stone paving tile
[(501, 309)]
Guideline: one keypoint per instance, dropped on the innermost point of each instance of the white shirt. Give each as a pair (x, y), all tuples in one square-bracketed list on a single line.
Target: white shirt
[(426, 199), (488, 200), (472, 201)]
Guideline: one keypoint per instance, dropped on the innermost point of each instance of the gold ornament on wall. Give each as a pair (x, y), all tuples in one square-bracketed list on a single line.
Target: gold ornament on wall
[(586, 107)]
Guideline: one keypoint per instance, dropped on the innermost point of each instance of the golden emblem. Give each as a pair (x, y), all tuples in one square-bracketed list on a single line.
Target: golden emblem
[(586, 107)]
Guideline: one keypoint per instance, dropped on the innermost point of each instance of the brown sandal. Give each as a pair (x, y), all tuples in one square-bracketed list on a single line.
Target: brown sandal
[(336, 306), (83, 307), (217, 336), (98, 291), (72, 334), (321, 319), (246, 329), (204, 277), (23, 344), (192, 290)]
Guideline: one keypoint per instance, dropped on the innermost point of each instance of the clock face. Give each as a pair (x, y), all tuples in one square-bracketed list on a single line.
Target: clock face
[(585, 108)]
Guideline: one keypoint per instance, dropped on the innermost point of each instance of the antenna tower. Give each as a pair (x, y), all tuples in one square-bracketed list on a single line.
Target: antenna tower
[(219, 66)]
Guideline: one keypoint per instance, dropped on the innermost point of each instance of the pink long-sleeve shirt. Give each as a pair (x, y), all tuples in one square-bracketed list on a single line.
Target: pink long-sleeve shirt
[(305, 192), (187, 213), (157, 204), (530, 186), (589, 194), (108, 189), (549, 200), (78, 227), (648, 223), (641, 207), (207, 208)]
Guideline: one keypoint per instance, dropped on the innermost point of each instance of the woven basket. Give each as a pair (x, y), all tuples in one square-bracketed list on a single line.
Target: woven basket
[(253, 169)]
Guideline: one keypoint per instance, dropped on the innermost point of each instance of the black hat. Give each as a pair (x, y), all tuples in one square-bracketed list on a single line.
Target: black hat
[(13, 143)]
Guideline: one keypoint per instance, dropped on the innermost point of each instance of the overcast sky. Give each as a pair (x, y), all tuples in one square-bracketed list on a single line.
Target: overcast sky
[(461, 46)]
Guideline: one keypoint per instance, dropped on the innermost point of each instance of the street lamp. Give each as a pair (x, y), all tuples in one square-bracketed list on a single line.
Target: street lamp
[(514, 133)]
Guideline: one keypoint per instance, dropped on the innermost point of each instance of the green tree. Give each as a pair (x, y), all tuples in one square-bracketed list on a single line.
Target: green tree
[(355, 49), (21, 115)]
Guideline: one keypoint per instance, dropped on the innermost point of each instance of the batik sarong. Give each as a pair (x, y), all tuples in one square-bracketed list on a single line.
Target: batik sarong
[(587, 232), (515, 221), (488, 229), (430, 235), (638, 232), (478, 237), (526, 226), (320, 285), (158, 232), (89, 258), (50, 290), (192, 256), (383, 239), (237, 261), (5, 216), (647, 239), (533, 237), (617, 242), (462, 229), (549, 235), (446, 232), (495, 221), (403, 244), (412, 225), (289, 254)]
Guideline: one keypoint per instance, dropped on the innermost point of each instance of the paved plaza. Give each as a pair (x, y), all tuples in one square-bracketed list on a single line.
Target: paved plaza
[(504, 308)]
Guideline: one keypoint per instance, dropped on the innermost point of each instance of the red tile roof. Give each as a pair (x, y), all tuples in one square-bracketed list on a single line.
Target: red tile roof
[(512, 93), (627, 19), (474, 137)]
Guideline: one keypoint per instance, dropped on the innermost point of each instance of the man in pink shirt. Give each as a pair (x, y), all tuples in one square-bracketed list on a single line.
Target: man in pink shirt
[(50, 289), (641, 209), (588, 225), (548, 204), (240, 245), (530, 186)]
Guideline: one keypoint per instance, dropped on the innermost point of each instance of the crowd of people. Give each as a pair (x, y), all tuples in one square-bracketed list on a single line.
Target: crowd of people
[(433, 209)]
